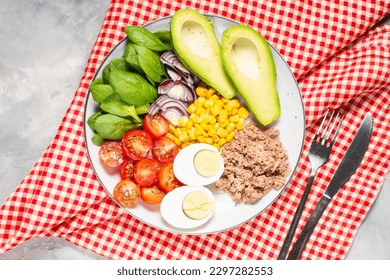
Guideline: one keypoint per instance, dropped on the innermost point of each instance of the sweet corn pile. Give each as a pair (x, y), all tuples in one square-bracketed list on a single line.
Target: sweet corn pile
[(212, 120)]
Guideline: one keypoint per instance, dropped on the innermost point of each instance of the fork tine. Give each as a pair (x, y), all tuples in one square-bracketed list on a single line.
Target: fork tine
[(331, 129), (319, 130)]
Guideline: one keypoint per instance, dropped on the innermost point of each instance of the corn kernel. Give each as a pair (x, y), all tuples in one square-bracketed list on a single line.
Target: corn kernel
[(212, 119), (201, 91), (194, 118), (235, 103), (185, 144), (224, 124), (205, 126), (230, 127), (208, 140), (200, 110), (191, 109), (234, 111), (219, 103), (210, 92), (243, 113), (222, 141), (171, 136), (225, 100), (190, 124), (240, 124), (201, 138), (208, 103), (215, 111), (176, 140), (230, 136), (183, 121), (184, 137), (223, 115), (221, 132), (199, 131), (214, 97), (234, 118), (191, 133), (212, 131), (228, 107), (199, 102), (216, 139)]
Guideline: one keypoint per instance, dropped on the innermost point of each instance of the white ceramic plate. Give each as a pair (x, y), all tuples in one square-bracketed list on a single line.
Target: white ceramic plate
[(227, 214)]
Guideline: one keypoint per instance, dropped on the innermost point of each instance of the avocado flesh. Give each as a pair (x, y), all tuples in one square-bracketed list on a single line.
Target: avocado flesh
[(198, 48), (248, 60)]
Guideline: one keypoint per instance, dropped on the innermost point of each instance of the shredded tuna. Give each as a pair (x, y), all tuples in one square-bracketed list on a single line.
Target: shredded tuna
[(255, 162)]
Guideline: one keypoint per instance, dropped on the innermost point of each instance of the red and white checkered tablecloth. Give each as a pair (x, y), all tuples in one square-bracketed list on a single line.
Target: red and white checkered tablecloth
[(340, 60)]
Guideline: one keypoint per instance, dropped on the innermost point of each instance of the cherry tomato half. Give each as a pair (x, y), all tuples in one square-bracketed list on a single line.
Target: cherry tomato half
[(127, 193), (166, 178), (127, 168), (156, 125), (136, 144), (145, 172), (110, 153), (164, 149), (152, 195)]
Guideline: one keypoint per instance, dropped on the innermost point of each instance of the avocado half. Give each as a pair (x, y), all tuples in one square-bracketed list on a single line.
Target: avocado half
[(248, 60), (198, 48)]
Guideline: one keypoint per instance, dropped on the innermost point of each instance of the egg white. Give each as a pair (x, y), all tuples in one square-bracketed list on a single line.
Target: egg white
[(171, 207), (184, 169)]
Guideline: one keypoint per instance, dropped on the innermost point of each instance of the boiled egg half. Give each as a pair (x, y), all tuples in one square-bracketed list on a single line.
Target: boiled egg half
[(198, 164), (187, 206)]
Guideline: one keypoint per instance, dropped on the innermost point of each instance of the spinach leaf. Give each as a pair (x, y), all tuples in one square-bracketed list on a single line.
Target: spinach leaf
[(150, 63), (116, 63), (165, 37), (98, 140), (144, 37), (130, 56), (143, 109), (92, 119), (132, 87), (113, 127), (100, 91), (119, 108)]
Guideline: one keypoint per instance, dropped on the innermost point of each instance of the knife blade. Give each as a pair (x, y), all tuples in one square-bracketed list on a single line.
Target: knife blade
[(345, 170)]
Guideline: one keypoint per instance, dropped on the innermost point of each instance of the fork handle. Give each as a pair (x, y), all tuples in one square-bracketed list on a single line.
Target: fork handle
[(303, 238), (295, 221)]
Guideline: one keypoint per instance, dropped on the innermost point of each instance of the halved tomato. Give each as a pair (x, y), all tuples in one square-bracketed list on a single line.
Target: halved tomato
[(127, 168), (110, 153), (156, 125), (127, 193), (164, 149), (152, 195), (136, 144), (166, 178), (145, 172)]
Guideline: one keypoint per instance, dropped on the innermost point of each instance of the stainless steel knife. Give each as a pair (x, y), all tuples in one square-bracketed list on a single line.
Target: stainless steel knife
[(345, 170)]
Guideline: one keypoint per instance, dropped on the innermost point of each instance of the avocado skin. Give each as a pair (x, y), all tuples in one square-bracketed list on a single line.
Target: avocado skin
[(260, 94), (209, 69)]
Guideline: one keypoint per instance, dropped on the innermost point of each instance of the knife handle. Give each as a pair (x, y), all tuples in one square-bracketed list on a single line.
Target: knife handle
[(303, 238)]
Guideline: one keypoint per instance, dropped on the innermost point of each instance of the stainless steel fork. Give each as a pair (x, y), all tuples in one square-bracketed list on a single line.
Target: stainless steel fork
[(318, 155)]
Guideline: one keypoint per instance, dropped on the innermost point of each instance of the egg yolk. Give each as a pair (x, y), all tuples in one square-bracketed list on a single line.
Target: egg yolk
[(197, 205), (207, 162)]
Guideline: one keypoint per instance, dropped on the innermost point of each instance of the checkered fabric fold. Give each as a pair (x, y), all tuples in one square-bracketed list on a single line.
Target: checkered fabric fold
[(340, 58)]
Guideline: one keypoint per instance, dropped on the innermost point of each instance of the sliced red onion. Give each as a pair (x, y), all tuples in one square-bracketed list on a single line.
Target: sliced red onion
[(173, 114), (170, 108), (170, 59), (177, 90), (173, 74)]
